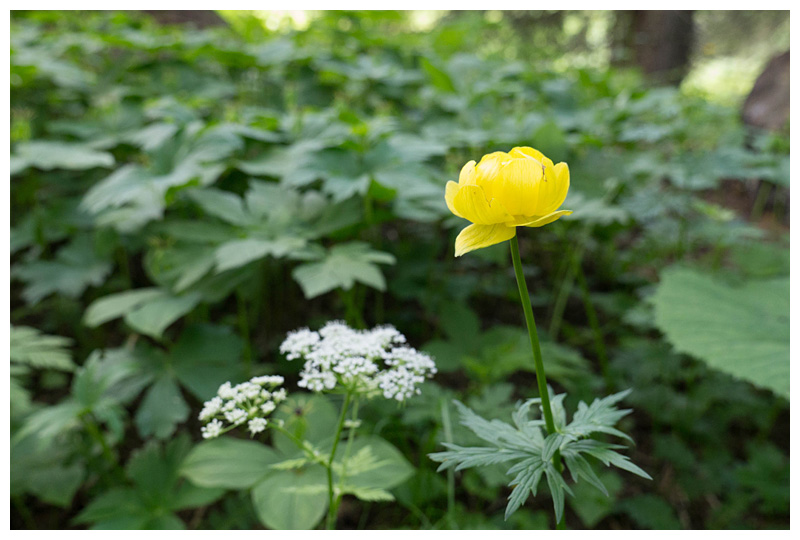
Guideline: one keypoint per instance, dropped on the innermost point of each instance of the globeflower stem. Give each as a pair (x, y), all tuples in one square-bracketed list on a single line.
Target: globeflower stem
[(541, 379), (332, 506)]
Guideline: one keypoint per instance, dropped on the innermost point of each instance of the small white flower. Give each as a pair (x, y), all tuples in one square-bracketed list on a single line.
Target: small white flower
[(257, 425), (270, 380), (268, 407), (212, 429), (236, 416), (246, 402), (210, 408), (362, 361)]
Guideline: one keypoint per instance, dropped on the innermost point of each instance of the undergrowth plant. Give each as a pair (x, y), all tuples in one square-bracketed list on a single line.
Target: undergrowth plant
[(358, 365), (501, 194)]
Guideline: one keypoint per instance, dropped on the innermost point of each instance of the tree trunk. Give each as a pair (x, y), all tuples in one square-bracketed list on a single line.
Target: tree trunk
[(199, 18), (658, 42), (767, 106)]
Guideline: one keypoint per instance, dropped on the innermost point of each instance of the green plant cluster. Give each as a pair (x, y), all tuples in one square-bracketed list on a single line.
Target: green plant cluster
[(182, 198)]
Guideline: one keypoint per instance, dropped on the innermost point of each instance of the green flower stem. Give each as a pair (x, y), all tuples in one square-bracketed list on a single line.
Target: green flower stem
[(351, 431), (541, 380), (451, 474), (332, 506)]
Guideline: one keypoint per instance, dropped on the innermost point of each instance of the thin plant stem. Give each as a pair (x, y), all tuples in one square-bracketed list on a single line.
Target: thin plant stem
[(591, 314), (541, 379), (350, 436), (451, 479), (332, 507)]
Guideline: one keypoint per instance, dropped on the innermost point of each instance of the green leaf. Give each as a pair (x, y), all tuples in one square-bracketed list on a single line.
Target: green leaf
[(651, 512), (155, 315), (292, 500), (227, 206), (119, 508), (590, 504), (742, 331), (309, 417), (116, 305), (344, 265), (76, 267), (228, 463), (45, 471), (48, 155), (373, 463), (162, 409), (236, 253), (206, 356), (438, 77), (41, 351)]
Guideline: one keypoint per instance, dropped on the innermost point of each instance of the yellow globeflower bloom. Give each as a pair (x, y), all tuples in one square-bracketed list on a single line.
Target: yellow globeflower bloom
[(521, 188)]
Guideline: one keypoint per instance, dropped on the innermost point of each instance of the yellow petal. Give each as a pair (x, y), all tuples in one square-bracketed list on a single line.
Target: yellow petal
[(540, 221), (470, 203), (517, 185), (467, 175), (481, 236), (526, 151), (449, 194), (487, 169), (554, 191)]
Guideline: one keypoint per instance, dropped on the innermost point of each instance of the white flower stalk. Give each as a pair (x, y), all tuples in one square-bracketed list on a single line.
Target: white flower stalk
[(249, 402), (363, 362)]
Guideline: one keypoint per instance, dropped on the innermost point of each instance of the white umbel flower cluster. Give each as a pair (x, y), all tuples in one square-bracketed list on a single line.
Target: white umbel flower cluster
[(249, 402), (365, 362)]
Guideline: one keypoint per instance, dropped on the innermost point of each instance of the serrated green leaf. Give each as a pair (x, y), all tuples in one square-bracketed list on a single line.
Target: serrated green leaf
[(41, 351)]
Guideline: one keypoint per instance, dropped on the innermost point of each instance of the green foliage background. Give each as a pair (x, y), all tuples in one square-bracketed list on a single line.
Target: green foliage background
[(180, 199)]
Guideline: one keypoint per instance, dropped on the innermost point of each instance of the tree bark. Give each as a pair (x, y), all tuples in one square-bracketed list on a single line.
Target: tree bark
[(767, 105), (658, 42), (200, 18)]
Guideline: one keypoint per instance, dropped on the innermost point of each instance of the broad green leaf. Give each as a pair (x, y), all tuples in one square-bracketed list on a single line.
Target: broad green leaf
[(162, 409), (373, 463), (742, 331), (155, 315), (76, 267), (590, 504), (204, 357), (47, 155), (227, 206), (651, 512), (45, 471), (292, 500), (116, 305), (438, 77), (237, 253), (228, 463), (309, 417), (342, 267), (118, 508)]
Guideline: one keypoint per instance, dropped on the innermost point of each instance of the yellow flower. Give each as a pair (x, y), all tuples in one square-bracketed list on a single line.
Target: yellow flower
[(521, 188)]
